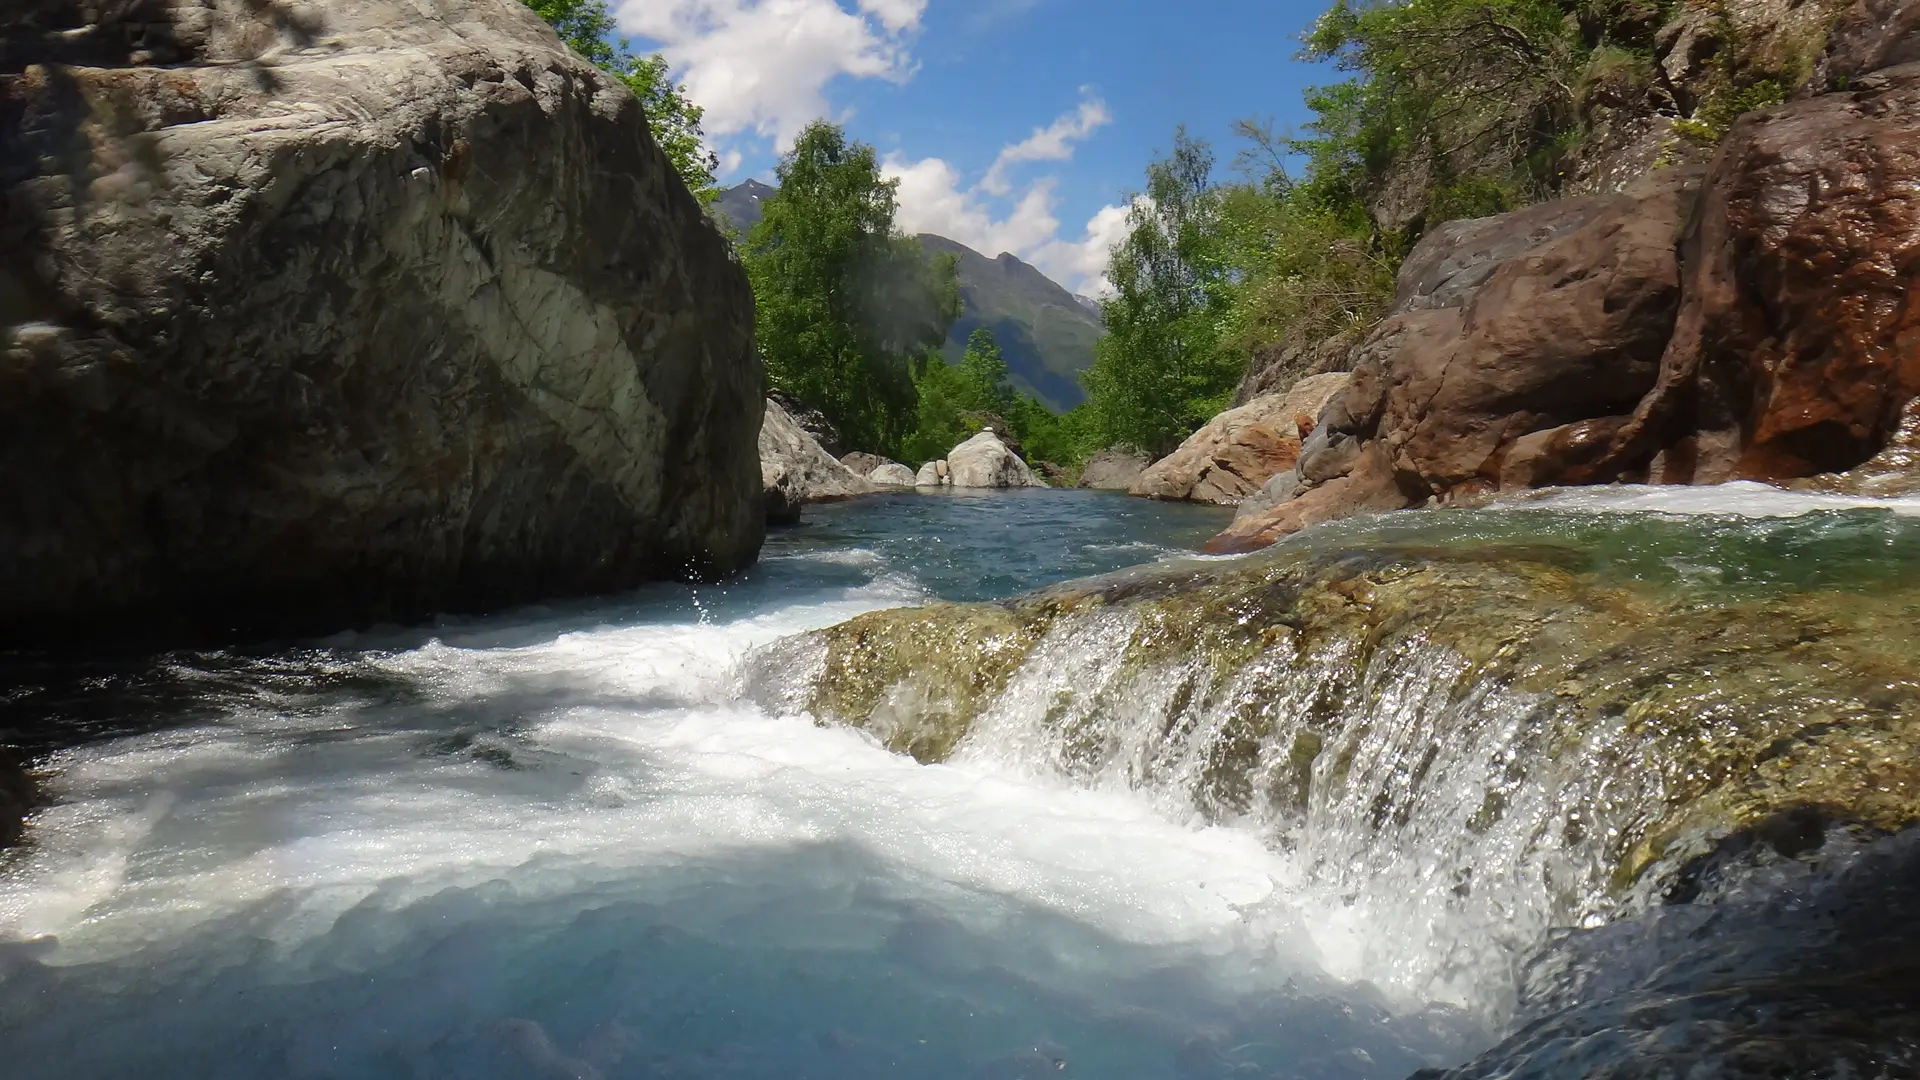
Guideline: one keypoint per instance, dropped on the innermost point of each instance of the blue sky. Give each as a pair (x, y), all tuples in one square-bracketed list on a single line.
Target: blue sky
[(1070, 98)]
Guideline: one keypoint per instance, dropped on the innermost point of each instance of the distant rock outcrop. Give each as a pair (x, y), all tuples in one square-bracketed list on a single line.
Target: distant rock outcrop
[(315, 314), (892, 474), (985, 462), (1114, 469), (1239, 450), (795, 471)]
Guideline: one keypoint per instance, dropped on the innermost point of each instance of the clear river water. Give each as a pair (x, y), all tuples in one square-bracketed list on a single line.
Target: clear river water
[(561, 842)]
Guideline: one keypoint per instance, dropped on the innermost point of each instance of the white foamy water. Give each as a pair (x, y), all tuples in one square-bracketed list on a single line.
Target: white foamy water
[(564, 847), (1743, 498)]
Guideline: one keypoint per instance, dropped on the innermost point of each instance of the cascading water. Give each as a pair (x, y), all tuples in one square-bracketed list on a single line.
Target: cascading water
[(556, 845), (1465, 729), (594, 843)]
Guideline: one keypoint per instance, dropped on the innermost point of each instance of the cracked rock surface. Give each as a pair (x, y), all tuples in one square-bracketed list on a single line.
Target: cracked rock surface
[(319, 314)]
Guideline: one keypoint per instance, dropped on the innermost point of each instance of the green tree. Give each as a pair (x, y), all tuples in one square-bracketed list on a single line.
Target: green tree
[(1164, 366), (588, 28), (988, 382), (956, 400), (846, 306)]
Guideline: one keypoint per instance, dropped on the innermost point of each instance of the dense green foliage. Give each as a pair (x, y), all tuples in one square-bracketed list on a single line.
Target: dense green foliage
[(957, 400), (588, 29), (847, 307)]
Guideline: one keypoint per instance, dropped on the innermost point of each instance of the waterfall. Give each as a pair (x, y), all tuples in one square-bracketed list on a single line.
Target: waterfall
[(1468, 731)]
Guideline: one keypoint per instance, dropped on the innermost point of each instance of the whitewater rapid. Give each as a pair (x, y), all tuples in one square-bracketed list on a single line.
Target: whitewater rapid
[(561, 843)]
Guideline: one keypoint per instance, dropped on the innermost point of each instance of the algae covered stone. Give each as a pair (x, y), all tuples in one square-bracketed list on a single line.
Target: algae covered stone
[(1573, 707)]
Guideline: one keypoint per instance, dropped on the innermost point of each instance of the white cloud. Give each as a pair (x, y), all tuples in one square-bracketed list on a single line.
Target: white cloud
[(762, 66), (1051, 143), (932, 200), (896, 15), (1082, 264), (991, 217)]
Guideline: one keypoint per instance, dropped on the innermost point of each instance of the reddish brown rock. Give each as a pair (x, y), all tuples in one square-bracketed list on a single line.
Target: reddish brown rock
[(1893, 472), (1570, 330), (1873, 35), (1238, 451), (1799, 340), (1445, 402)]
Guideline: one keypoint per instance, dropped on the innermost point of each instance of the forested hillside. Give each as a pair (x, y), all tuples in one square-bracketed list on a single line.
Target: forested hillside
[(1249, 272), (1046, 333)]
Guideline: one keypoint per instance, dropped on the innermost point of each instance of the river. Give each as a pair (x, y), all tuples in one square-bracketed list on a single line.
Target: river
[(561, 842)]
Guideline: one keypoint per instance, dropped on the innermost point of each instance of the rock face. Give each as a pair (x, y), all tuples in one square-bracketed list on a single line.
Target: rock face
[(319, 313), (1113, 469), (795, 470), (1893, 472), (985, 462), (861, 463), (1276, 368), (892, 474), (1499, 355), (1799, 342), (1239, 450), (933, 474), (1765, 327), (1871, 36)]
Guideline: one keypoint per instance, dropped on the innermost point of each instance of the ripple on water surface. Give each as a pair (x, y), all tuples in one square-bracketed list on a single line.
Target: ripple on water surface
[(559, 844), (556, 845)]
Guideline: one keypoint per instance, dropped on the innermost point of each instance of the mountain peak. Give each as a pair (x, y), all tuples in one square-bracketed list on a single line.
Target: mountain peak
[(1046, 332)]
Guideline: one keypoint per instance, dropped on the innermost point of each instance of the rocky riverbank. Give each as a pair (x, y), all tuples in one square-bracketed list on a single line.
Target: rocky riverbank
[(1678, 318)]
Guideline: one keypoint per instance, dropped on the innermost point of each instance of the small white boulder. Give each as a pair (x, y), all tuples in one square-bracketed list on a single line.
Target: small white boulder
[(985, 462)]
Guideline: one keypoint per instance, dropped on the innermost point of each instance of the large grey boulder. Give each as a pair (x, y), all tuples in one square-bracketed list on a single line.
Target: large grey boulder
[(985, 462), (313, 314), (892, 474), (795, 469)]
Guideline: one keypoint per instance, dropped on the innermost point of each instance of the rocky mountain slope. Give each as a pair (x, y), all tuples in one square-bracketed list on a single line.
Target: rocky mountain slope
[(313, 314), (1047, 333)]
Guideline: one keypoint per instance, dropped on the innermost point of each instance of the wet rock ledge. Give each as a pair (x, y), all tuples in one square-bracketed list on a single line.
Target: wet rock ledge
[(1512, 720)]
